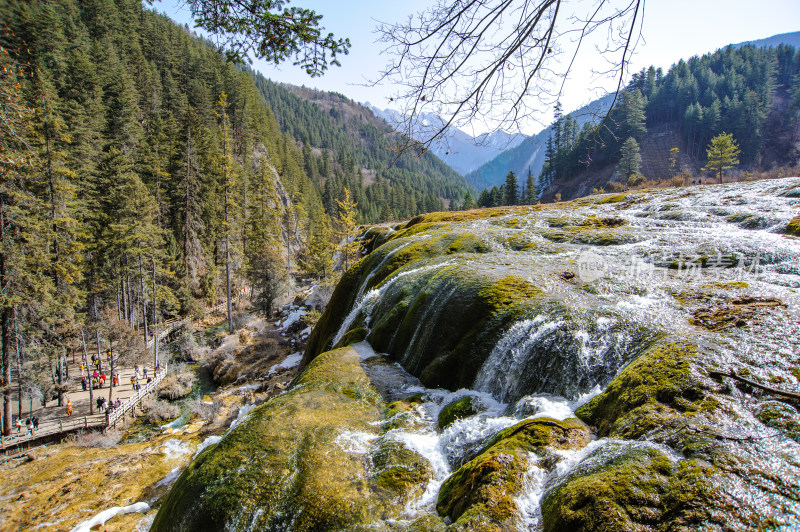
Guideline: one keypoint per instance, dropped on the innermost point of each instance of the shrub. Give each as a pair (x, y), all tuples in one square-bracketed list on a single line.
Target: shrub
[(98, 439)]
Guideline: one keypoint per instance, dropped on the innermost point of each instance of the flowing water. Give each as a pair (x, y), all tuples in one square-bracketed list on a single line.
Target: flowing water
[(704, 245), (534, 312)]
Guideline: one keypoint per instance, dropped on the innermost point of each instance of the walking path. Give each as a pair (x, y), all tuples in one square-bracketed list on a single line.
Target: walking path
[(54, 420)]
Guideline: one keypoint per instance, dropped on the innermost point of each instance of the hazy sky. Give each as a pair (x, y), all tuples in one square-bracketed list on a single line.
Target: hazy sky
[(672, 30)]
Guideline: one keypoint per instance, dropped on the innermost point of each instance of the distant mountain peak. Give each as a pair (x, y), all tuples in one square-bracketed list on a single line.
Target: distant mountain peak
[(461, 151)]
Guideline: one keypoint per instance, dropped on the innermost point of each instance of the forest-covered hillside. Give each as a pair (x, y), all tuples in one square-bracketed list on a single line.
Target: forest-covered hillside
[(346, 146), (750, 92), (143, 176)]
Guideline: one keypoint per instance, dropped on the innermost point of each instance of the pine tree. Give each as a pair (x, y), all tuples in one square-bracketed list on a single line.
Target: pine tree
[(187, 201), (265, 270), (511, 191), (630, 160), (469, 202), (23, 252), (227, 179), (722, 153), (531, 192), (348, 247)]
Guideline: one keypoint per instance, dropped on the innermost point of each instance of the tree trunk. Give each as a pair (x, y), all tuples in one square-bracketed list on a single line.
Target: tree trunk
[(19, 369), (119, 307), (155, 317), (144, 300), (60, 367), (111, 373), (228, 282), (97, 341), (88, 373), (124, 297), (5, 333)]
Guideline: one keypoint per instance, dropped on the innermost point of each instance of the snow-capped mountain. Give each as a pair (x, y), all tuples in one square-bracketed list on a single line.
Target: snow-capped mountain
[(459, 150)]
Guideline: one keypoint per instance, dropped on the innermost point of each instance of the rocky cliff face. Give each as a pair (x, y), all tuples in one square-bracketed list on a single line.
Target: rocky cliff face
[(555, 367)]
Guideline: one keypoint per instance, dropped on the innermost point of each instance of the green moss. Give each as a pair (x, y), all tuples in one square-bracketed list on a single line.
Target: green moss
[(794, 227), (353, 336), (747, 220), (485, 488), (480, 494), (459, 409), (613, 198), (780, 416), (398, 414), (508, 291), (597, 221), (535, 434), (282, 465), (427, 523), (399, 470), (623, 493), (630, 488), (654, 389), (737, 312), (728, 285)]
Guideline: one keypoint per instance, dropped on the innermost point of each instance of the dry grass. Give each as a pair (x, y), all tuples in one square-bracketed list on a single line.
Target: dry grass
[(97, 439), (157, 411), (176, 385)]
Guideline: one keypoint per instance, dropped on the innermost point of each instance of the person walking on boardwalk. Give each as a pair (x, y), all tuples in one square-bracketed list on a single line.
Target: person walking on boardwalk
[(115, 380), (69, 407), (83, 383), (18, 424)]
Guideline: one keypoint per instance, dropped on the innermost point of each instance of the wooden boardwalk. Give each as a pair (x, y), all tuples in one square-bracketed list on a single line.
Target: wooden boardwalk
[(23, 437), (20, 440)]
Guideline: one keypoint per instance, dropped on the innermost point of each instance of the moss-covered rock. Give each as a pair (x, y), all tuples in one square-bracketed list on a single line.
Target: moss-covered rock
[(484, 488), (353, 336), (287, 463), (659, 386), (458, 409), (428, 523), (634, 487), (780, 416), (622, 493), (399, 470), (794, 227), (535, 434), (480, 495), (737, 312)]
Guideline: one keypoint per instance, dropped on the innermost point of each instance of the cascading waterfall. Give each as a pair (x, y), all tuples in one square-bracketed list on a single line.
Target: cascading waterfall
[(365, 304), (687, 282)]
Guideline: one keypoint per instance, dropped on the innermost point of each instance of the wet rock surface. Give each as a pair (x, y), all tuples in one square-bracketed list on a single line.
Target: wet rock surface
[(553, 367)]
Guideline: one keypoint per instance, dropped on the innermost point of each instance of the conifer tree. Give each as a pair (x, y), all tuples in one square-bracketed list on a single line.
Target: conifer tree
[(630, 160), (531, 193), (469, 202), (347, 225), (511, 191), (228, 195), (723, 153), (23, 252)]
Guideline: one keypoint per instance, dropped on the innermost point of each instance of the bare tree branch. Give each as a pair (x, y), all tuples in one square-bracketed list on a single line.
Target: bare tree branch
[(497, 63)]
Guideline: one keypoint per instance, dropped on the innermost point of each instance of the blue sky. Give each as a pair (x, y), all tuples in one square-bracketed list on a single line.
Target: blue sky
[(672, 30)]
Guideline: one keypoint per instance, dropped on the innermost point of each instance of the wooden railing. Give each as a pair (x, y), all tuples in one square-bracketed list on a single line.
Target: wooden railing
[(133, 401), (49, 428), (64, 425), (168, 327)]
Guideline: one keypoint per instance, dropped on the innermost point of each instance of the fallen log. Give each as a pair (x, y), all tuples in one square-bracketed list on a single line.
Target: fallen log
[(775, 391)]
